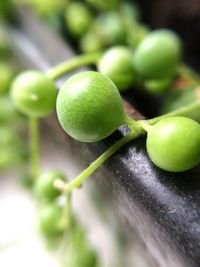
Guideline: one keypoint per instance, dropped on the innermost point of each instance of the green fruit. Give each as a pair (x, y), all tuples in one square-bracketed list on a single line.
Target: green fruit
[(6, 75), (10, 147), (158, 86), (130, 12), (116, 63), (78, 18), (110, 29), (79, 252), (33, 93), (90, 42), (89, 107), (51, 220), (158, 55), (8, 113), (173, 144), (44, 187), (80, 256), (136, 34)]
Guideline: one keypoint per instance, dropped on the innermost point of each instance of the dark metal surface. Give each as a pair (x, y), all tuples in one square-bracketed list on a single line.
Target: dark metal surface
[(163, 208)]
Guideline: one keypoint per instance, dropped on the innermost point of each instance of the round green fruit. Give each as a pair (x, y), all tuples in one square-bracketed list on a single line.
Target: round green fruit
[(44, 186), (158, 86), (173, 144), (158, 55), (81, 256), (89, 107), (116, 63), (78, 18), (10, 147), (33, 93), (90, 42), (110, 29), (8, 113), (51, 220)]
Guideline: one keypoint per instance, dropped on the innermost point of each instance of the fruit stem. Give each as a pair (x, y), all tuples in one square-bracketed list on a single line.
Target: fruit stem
[(191, 111), (34, 147), (72, 64), (78, 181), (133, 124), (145, 125), (68, 210)]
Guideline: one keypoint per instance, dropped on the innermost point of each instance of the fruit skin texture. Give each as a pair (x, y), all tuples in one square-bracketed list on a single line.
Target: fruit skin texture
[(158, 55), (33, 93), (89, 107), (173, 144), (44, 188), (116, 63)]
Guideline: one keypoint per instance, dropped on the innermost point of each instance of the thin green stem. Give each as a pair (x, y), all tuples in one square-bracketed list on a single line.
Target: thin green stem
[(191, 111), (78, 181), (34, 147), (67, 213), (132, 124), (72, 64), (145, 125)]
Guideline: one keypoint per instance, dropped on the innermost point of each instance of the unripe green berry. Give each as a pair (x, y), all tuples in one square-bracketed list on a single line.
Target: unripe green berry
[(44, 187), (33, 93), (136, 34), (173, 144), (130, 12), (90, 42), (81, 255), (8, 113), (110, 29), (10, 147), (89, 107), (51, 220), (116, 63), (158, 55), (158, 86), (78, 18)]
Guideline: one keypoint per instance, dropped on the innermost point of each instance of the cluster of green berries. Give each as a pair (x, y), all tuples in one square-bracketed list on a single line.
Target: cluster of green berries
[(135, 53), (98, 25), (155, 62), (51, 220), (89, 108), (54, 221)]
